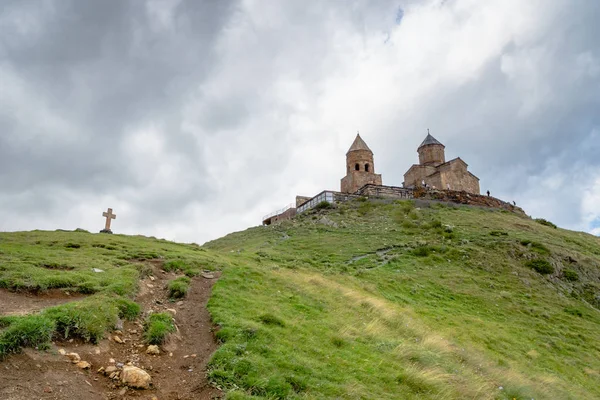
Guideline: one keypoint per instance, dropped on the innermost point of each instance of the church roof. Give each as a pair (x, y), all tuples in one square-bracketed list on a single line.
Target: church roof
[(359, 144), (430, 140)]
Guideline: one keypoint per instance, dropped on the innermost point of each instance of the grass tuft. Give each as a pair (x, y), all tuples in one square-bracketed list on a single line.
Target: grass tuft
[(541, 266), (179, 287), (29, 331), (157, 327)]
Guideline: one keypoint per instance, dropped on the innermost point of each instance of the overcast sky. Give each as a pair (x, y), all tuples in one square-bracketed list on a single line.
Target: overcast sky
[(192, 119)]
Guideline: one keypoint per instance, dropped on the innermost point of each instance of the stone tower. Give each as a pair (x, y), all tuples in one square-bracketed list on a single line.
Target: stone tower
[(431, 152), (360, 168)]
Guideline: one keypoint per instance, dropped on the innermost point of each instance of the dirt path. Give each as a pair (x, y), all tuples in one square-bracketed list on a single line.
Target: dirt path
[(20, 303), (179, 372)]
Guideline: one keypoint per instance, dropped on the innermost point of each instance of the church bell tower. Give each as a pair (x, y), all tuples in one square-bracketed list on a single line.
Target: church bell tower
[(360, 167)]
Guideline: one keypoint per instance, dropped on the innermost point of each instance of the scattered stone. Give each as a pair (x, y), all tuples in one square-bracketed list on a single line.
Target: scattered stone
[(327, 222), (111, 360), (110, 369), (97, 351), (118, 339), (149, 285), (153, 349), (119, 324), (186, 356), (170, 354), (74, 357), (152, 278), (84, 365), (122, 392), (172, 311), (120, 365), (97, 270), (47, 389), (101, 370), (135, 377), (206, 275), (193, 355), (62, 352), (180, 303)]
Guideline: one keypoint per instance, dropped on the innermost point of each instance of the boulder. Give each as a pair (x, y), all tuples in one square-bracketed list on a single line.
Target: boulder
[(74, 357), (153, 349), (84, 365), (135, 377)]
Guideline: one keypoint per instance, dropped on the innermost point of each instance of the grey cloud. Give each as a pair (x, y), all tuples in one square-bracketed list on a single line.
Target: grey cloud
[(196, 112)]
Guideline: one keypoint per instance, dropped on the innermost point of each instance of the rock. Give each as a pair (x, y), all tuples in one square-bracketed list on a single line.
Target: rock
[(47, 389), (84, 365), (172, 311), (62, 352), (97, 270), (111, 360), (206, 275), (118, 339), (326, 221), (96, 351), (180, 303), (74, 357), (122, 392), (135, 377), (151, 278), (119, 325), (153, 349), (110, 369)]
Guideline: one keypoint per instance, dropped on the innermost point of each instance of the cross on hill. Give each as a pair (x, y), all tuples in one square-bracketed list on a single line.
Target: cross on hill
[(109, 215)]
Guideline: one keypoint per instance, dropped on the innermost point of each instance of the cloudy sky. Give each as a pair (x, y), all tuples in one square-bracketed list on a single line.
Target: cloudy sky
[(192, 119)]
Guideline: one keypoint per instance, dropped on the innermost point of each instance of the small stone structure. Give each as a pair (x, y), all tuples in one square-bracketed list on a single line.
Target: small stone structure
[(360, 167), (435, 172)]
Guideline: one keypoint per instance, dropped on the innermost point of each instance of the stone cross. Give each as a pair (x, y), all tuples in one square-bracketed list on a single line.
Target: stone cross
[(109, 215)]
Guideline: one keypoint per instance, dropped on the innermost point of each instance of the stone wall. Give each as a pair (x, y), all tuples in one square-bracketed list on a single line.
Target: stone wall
[(416, 174), (455, 175), (357, 179), (432, 154), (287, 214), (460, 197), (385, 192)]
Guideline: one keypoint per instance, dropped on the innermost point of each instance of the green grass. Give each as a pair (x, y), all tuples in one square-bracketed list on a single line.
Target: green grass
[(179, 287), (37, 261), (30, 331), (158, 326), (396, 300), (407, 300)]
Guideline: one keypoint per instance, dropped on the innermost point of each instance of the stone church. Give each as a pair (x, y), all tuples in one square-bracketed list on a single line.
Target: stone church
[(435, 172)]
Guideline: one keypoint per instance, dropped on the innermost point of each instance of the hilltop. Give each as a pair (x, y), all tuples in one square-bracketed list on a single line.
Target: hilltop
[(363, 300)]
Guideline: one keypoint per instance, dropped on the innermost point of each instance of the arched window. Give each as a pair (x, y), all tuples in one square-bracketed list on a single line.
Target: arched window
[(357, 167), (367, 167)]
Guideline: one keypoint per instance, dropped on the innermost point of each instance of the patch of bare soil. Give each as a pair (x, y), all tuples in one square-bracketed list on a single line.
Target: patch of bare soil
[(178, 372), (20, 303)]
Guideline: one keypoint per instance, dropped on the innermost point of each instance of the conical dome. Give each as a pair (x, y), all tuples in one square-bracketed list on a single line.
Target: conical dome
[(430, 140), (358, 144)]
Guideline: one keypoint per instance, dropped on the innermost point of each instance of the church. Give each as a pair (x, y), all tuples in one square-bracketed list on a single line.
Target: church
[(432, 171)]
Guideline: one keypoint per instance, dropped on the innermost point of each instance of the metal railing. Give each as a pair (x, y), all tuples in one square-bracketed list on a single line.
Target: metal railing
[(278, 212)]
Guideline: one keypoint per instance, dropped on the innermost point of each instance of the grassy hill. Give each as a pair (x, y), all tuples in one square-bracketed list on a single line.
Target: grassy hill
[(368, 300)]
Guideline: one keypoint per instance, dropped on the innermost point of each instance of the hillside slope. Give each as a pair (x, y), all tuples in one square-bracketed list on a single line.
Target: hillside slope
[(375, 300)]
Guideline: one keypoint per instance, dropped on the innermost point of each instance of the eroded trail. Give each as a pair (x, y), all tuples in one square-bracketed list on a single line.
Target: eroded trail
[(21, 303), (178, 372)]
